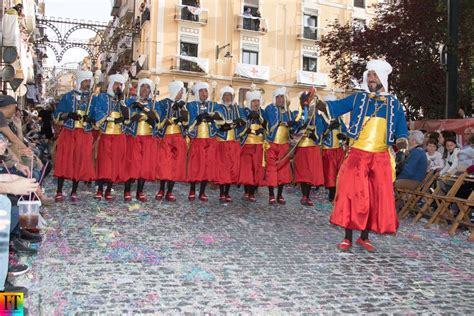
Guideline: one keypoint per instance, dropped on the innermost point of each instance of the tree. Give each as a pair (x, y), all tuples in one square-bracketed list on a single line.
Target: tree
[(407, 33)]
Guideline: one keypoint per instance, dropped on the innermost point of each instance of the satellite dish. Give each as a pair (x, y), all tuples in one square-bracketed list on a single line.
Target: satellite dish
[(22, 90)]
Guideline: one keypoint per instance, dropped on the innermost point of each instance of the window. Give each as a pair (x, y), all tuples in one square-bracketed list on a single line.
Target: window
[(359, 3), (186, 14), (310, 24), (249, 57), (359, 24), (310, 64), (251, 9), (242, 95), (188, 49)]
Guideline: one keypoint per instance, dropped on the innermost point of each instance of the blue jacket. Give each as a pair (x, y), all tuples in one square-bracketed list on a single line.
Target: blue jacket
[(165, 111), (102, 105), (195, 108), (329, 140), (361, 105), (244, 112), (131, 128), (71, 102), (229, 113), (415, 165), (317, 122), (274, 116)]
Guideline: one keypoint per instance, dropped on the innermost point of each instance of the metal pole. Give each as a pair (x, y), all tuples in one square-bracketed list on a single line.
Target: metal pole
[(452, 60)]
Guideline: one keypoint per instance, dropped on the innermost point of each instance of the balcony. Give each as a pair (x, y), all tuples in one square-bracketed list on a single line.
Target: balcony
[(309, 33), (190, 64), (312, 78), (191, 14), (252, 24), (126, 10), (141, 69), (252, 71), (124, 44)]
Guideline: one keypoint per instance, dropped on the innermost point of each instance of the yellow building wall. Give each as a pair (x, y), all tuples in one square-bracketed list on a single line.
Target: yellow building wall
[(279, 47)]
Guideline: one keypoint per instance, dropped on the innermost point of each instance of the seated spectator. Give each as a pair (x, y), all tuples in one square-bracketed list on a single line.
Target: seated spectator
[(450, 157), (415, 166), (466, 155), (468, 132), (435, 159)]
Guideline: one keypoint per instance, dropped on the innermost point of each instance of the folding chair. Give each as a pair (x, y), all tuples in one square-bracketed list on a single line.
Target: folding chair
[(414, 196)]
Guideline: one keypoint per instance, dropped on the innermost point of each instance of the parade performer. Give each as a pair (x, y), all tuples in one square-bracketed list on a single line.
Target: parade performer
[(74, 154), (252, 138), (202, 130), (308, 164), (227, 146), (141, 145), (110, 114), (280, 123), (364, 196), (173, 147)]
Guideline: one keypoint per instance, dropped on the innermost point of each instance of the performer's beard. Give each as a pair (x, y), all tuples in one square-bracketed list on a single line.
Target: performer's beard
[(118, 93), (374, 87)]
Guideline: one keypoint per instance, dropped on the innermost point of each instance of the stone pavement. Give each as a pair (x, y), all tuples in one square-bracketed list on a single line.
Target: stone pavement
[(157, 257)]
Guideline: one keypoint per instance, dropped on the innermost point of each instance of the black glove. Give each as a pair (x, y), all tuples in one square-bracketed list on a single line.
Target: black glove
[(254, 115), (150, 121), (135, 118), (260, 131), (179, 120), (88, 119), (334, 125), (341, 136), (137, 105), (74, 116), (178, 105), (313, 137), (226, 127), (119, 120), (239, 122), (291, 123)]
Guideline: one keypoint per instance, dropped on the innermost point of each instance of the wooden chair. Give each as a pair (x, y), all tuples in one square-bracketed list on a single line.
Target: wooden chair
[(412, 197), (443, 202), (463, 215)]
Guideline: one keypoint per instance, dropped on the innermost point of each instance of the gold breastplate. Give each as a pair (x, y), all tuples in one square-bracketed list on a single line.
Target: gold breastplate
[(112, 128), (173, 129), (80, 123), (144, 129), (253, 139), (203, 130), (373, 136), (230, 136), (306, 142), (281, 136)]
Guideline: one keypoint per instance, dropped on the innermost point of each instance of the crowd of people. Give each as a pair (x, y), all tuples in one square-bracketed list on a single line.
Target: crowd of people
[(195, 137)]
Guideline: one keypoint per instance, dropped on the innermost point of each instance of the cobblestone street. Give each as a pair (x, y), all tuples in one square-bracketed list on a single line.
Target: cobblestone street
[(206, 257)]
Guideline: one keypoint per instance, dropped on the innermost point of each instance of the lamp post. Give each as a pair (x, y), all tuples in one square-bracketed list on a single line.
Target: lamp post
[(452, 60)]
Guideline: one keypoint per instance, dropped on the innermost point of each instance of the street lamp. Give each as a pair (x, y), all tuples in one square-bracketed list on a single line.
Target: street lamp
[(219, 49)]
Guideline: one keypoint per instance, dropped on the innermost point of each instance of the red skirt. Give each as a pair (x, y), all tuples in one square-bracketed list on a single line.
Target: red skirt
[(202, 159), (364, 195), (332, 160), (111, 158), (251, 170), (280, 173), (227, 162), (172, 151), (75, 155), (309, 165), (142, 157)]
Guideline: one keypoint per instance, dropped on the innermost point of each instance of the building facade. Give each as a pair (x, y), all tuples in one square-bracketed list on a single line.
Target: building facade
[(269, 43)]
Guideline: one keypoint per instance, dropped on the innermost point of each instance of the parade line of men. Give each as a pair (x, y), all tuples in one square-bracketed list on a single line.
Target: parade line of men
[(201, 141)]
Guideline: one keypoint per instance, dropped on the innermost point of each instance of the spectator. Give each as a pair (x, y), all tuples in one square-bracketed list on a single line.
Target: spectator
[(435, 159), (450, 157), (468, 132), (442, 137), (257, 21), (466, 155), (461, 113), (416, 164)]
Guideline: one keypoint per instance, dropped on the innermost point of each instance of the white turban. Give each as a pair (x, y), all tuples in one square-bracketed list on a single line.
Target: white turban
[(113, 79), (253, 95), (226, 89), (148, 82), (174, 87), (382, 69), (277, 92), (198, 86), (82, 75)]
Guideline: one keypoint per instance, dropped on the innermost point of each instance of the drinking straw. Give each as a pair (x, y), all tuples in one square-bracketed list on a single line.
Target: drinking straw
[(43, 173)]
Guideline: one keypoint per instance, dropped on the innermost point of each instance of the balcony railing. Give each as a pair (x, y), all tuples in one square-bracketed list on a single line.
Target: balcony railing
[(252, 23), (126, 10), (191, 14), (311, 33), (124, 44), (191, 64)]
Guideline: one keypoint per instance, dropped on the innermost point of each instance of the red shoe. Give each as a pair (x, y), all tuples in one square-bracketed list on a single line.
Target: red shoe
[(345, 245), (281, 200), (159, 195), (203, 197), (309, 202), (222, 198), (245, 197), (74, 197), (110, 197), (58, 198), (228, 199), (271, 200), (252, 198), (170, 197), (192, 196), (141, 197), (127, 196), (366, 244), (99, 195), (306, 201)]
